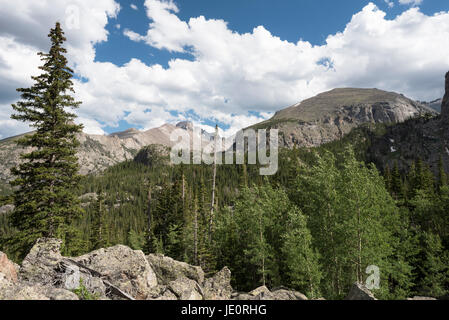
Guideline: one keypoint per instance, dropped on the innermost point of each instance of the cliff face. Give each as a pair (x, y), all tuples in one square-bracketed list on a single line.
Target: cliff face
[(330, 115), (424, 138), (445, 102)]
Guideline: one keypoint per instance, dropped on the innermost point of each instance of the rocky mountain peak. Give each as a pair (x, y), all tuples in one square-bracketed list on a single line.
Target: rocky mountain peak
[(186, 125), (445, 103), (125, 134), (98, 152), (331, 115)]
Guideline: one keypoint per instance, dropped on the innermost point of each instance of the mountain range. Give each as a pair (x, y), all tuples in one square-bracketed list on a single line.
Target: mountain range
[(321, 119), (98, 152)]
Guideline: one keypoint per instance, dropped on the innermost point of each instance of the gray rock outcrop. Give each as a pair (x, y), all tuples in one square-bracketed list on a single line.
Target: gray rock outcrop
[(218, 287), (445, 102), (359, 292), (125, 268), (263, 293), (425, 138), (421, 298), (119, 272), (6, 209), (41, 263), (168, 269), (23, 290), (185, 289)]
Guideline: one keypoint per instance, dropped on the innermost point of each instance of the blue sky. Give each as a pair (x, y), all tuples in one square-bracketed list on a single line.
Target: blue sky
[(142, 63), (291, 20)]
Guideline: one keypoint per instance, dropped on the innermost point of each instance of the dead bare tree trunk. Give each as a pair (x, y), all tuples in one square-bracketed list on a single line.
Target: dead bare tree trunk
[(263, 249), (183, 188), (195, 233), (149, 220), (213, 185), (100, 227), (359, 252)]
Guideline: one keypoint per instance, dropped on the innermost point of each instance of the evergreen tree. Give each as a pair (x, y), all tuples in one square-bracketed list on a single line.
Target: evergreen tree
[(396, 183), (442, 176), (243, 177), (388, 178), (45, 198), (99, 236), (420, 178), (258, 250), (190, 237), (149, 236), (135, 240), (432, 266), (442, 222), (74, 243)]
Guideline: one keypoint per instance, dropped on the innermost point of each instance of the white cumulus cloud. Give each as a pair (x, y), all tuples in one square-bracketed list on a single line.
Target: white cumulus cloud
[(237, 79), (24, 26)]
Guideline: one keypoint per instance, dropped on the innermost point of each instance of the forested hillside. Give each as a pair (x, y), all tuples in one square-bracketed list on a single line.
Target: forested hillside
[(315, 226)]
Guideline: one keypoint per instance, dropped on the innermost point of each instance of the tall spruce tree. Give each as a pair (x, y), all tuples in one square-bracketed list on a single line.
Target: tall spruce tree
[(442, 176), (397, 186), (99, 236), (45, 198)]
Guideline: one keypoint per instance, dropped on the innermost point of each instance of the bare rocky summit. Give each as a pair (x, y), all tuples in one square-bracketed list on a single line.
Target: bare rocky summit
[(98, 152), (331, 115)]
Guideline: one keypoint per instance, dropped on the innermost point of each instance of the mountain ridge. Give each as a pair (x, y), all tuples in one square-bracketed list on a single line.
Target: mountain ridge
[(96, 152), (330, 115), (318, 120)]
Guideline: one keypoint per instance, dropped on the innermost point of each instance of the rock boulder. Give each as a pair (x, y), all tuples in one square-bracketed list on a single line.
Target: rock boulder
[(123, 267), (219, 286), (41, 263), (117, 272), (359, 292), (168, 269), (186, 289)]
